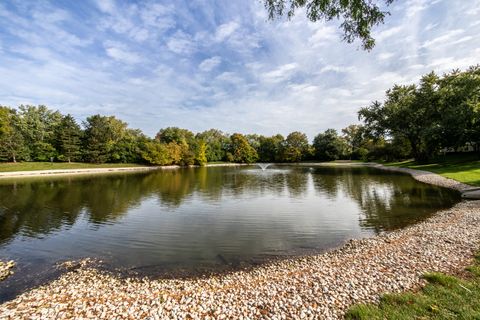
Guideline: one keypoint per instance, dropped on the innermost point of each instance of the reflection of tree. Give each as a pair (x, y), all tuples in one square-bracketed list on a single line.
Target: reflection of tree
[(39, 206), (35, 207), (387, 200), (296, 181)]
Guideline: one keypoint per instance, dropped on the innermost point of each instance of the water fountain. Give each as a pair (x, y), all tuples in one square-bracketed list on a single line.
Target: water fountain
[(263, 166)]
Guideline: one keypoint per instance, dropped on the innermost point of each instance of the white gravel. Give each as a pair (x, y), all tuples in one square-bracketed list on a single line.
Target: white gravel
[(6, 269), (428, 177)]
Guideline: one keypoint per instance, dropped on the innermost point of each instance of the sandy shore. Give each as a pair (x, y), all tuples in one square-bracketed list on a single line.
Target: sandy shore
[(57, 172), (316, 287)]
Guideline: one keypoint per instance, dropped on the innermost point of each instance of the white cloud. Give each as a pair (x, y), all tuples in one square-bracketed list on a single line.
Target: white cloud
[(385, 55), (281, 73), (385, 34), (209, 64), (107, 6), (323, 35), (443, 39), (120, 53), (338, 69), (181, 43), (225, 30)]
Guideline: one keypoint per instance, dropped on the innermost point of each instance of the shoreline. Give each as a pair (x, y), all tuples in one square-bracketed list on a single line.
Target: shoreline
[(68, 172), (318, 286)]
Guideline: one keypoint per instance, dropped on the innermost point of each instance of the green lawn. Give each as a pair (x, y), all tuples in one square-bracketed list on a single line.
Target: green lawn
[(461, 167), (30, 166), (444, 297)]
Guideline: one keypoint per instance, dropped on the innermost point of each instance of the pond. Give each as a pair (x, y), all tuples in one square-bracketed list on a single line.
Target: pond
[(200, 218)]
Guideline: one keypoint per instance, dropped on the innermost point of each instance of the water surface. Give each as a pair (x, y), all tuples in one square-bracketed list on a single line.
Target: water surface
[(196, 218)]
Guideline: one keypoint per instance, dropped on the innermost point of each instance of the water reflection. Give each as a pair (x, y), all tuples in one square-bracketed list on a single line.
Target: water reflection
[(37, 207)]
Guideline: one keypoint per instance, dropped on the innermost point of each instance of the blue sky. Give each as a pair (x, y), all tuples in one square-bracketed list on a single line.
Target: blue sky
[(200, 64)]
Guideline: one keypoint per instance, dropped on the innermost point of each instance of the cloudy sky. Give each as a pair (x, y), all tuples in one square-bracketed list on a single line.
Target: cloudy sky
[(199, 64)]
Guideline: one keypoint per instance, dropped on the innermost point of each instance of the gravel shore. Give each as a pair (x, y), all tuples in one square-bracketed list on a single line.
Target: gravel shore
[(315, 287), (6, 269), (429, 177)]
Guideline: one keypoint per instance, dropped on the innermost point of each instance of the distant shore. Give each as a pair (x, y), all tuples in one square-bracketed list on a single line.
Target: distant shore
[(93, 170)]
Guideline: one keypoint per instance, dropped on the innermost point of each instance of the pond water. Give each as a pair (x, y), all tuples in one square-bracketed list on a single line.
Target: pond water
[(200, 218)]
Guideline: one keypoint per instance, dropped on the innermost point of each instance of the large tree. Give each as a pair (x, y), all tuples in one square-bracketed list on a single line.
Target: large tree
[(240, 150), (459, 103), (295, 148), (329, 146), (38, 125), (184, 138), (357, 17), (439, 112), (102, 133), (401, 116), (216, 144), (12, 146), (68, 139), (353, 136), (270, 149)]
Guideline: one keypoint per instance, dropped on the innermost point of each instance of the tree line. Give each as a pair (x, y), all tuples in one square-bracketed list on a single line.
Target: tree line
[(414, 121)]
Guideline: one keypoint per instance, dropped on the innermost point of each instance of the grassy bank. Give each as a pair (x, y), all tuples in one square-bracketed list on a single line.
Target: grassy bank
[(461, 167), (32, 166), (444, 297)]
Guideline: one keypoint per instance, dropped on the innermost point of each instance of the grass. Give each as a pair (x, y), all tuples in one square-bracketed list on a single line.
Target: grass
[(461, 167), (444, 297), (31, 166)]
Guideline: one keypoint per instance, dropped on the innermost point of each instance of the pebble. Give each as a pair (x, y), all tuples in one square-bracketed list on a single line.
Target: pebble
[(6, 269)]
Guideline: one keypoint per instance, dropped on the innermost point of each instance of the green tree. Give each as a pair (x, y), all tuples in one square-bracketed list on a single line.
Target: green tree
[(184, 138), (157, 153), (438, 113), (102, 133), (459, 104), (128, 148), (174, 134), (353, 136), (403, 116), (240, 150), (216, 144), (329, 146), (12, 146), (357, 17), (38, 126), (68, 139), (270, 149), (295, 147)]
